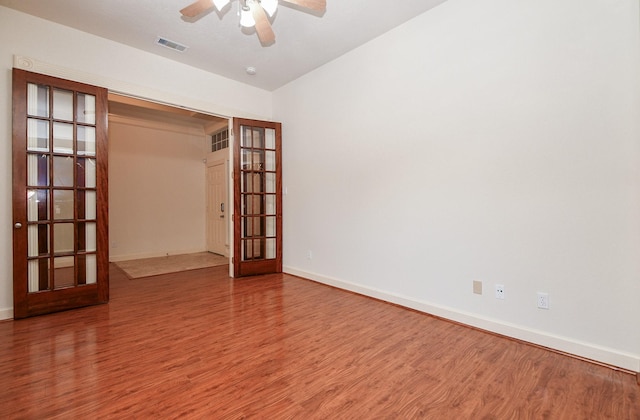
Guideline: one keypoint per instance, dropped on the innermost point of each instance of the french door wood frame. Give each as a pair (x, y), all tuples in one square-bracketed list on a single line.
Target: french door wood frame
[(257, 181), (60, 197)]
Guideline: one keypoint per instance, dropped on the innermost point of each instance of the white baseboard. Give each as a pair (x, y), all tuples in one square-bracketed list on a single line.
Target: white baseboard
[(630, 362), (6, 313)]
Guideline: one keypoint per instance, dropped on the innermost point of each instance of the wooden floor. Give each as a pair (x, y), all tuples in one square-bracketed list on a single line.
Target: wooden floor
[(198, 345)]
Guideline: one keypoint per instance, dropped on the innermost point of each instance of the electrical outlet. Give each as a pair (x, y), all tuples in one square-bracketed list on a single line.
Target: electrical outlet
[(499, 291), (309, 255), (543, 300)]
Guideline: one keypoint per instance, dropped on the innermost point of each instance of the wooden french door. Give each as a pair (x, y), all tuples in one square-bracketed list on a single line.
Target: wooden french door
[(60, 235), (257, 180)]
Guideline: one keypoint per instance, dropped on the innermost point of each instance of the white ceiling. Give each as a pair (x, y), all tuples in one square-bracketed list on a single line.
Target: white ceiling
[(217, 44)]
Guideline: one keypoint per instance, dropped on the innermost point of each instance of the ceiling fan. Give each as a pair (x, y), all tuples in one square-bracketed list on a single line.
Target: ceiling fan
[(253, 13)]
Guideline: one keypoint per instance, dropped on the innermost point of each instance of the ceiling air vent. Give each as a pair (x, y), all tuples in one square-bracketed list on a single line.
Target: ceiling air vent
[(171, 44)]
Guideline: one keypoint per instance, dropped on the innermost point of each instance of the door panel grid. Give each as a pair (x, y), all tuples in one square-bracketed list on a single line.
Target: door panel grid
[(258, 199), (59, 137)]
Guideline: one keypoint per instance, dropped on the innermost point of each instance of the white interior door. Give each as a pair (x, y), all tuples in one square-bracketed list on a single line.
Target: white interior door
[(216, 208)]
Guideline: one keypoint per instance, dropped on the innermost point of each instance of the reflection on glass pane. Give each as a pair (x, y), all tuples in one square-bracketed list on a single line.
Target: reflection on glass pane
[(62, 104), (37, 100), (37, 205), (271, 182), (63, 272), (270, 161), (270, 135), (86, 141), (86, 169), (63, 171), (271, 249), (86, 108), (270, 204), (62, 237), (62, 204), (271, 226), (62, 138), (37, 135), (37, 170)]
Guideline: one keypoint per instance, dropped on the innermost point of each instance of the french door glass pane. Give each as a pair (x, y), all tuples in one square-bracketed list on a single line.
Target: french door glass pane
[(62, 204), (270, 204), (86, 169), (86, 109), (86, 141), (62, 238), (64, 272), (271, 226), (270, 182), (270, 161), (246, 137), (62, 138), (87, 269), (271, 248), (63, 171), (258, 138), (37, 205), (86, 237), (270, 135), (62, 105), (38, 275), (37, 100), (86, 205), (38, 240), (37, 135), (37, 170)]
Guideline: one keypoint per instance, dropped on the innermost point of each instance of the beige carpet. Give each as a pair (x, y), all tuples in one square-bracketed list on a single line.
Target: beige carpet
[(171, 264)]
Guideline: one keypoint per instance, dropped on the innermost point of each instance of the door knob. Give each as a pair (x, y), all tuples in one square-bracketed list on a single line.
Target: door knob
[(18, 225)]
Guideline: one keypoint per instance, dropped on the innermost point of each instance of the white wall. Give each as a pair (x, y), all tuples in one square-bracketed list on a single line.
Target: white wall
[(72, 54), (156, 190), (491, 140)]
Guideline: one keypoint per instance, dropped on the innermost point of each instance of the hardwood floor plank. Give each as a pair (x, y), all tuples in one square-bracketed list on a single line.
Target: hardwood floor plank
[(199, 345)]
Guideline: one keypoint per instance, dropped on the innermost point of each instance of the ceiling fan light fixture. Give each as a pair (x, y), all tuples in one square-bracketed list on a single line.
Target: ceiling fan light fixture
[(269, 6), (220, 4), (246, 17)]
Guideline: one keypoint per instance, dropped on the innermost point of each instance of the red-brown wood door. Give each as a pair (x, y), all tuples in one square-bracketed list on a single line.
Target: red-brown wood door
[(60, 214), (257, 180)]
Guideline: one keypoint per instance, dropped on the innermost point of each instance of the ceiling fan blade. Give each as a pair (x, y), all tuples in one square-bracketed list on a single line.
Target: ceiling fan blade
[(319, 5), (263, 27), (196, 8)]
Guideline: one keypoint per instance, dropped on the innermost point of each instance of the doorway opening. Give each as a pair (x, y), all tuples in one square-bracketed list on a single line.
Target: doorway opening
[(169, 186)]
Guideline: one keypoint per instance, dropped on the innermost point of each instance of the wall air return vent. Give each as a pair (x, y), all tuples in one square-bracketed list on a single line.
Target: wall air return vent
[(171, 44)]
